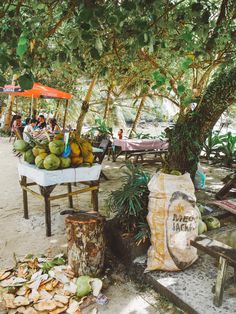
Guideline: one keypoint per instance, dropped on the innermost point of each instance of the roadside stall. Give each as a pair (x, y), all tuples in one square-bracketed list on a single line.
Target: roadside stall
[(63, 160)]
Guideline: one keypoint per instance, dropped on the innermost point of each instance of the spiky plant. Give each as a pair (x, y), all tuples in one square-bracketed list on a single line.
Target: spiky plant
[(130, 201)]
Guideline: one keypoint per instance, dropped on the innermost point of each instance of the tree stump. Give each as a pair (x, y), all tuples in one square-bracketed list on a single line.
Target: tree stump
[(86, 244)]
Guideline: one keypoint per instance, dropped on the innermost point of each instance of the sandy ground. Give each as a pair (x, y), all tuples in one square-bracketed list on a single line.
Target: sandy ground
[(20, 237)]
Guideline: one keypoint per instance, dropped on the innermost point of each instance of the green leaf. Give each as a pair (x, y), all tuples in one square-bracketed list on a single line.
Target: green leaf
[(180, 88), (21, 50), (22, 41), (26, 81)]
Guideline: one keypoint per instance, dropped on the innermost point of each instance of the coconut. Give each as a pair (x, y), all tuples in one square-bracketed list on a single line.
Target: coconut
[(65, 162), (21, 146), (40, 159), (51, 162), (38, 150), (56, 147), (29, 156)]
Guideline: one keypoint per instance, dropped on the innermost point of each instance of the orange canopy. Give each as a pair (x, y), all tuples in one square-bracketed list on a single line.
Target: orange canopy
[(37, 91)]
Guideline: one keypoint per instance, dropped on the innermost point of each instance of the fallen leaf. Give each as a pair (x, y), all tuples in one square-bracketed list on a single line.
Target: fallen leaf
[(19, 301)]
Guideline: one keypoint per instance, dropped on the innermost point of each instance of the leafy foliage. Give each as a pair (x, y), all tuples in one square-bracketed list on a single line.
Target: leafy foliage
[(212, 142), (131, 200)]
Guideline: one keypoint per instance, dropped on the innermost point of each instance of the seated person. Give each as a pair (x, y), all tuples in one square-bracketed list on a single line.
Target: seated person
[(53, 126), (17, 125), (41, 124), (29, 128)]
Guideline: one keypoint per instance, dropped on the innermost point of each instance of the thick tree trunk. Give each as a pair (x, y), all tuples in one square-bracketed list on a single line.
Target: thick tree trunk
[(187, 137), (85, 105), (86, 244), (137, 118)]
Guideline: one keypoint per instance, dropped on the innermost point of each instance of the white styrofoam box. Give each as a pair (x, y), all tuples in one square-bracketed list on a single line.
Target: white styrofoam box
[(45, 177)]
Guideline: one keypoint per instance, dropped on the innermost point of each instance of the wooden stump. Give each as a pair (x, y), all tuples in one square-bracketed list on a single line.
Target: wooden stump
[(86, 244)]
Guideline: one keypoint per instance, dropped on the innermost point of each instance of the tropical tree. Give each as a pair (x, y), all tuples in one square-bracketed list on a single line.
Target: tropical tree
[(181, 50)]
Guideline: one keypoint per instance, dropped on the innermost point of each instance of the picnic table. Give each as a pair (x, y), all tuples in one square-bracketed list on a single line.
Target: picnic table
[(138, 148), (48, 180)]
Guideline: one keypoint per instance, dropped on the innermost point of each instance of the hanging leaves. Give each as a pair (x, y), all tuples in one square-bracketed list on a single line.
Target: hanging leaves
[(22, 45)]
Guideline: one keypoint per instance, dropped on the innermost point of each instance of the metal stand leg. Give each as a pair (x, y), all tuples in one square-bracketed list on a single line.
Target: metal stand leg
[(220, 282), (70, 196), (25, 197), (46, 191)]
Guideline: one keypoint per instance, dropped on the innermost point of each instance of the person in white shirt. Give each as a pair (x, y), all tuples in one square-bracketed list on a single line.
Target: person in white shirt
[(29, 128)]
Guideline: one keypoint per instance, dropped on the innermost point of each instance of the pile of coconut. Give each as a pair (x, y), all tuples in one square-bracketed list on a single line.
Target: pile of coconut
[(42, 285)]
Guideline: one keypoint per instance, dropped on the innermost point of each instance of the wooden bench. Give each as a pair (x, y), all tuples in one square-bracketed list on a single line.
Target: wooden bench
[(230, 184), (226, 256)]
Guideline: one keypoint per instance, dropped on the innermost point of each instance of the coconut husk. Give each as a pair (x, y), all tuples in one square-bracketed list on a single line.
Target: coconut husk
[(61, 298), (4, 275), (73, 308), (48, 305), (9, 300), (21, 301), (30, 310)]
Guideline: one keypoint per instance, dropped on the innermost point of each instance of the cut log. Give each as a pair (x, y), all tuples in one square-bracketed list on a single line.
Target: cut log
[(86, 244)]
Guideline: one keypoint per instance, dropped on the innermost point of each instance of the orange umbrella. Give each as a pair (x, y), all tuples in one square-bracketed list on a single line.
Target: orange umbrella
[(37, 91)]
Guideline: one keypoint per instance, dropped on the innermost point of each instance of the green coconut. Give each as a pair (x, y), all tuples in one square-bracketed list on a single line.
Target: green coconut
[(65, 162), (56, 147), (202, 227), (51, 162), (212, 222), (83, 286), (21, 146), (40, 159), (29, 156)]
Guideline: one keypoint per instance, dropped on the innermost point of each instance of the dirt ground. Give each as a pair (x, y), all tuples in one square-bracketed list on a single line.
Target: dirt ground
[(19, 237)]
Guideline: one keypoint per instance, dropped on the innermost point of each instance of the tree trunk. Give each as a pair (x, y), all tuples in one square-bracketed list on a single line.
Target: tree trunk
[(56, 110), (86, 244), (187, 137), (137, 118), (107, 104), (11, 98), (65, 115), (85, 105)]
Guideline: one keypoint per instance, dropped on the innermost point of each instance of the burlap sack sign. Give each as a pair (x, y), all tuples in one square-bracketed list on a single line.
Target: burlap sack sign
[(173, 220)]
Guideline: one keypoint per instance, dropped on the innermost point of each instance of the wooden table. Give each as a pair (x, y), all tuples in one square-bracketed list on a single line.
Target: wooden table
[(138, 148), (48, 180)]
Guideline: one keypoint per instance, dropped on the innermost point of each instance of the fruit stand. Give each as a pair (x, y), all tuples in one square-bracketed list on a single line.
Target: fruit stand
[(48, 180)]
